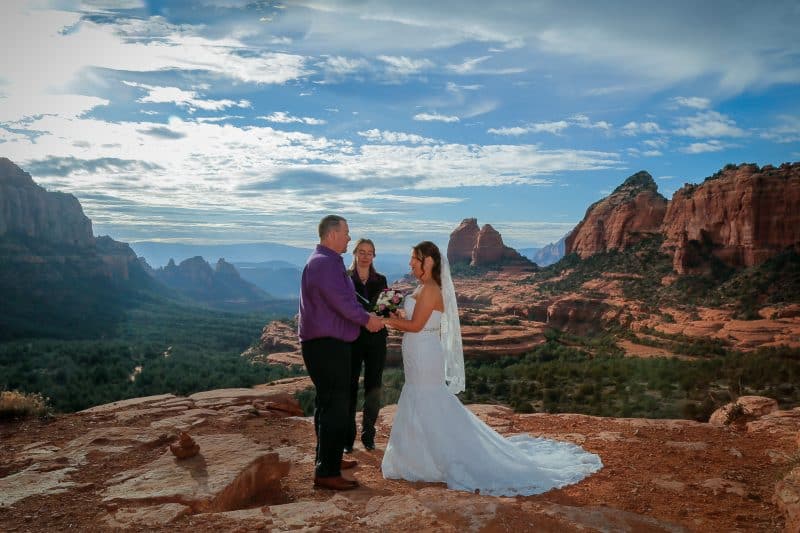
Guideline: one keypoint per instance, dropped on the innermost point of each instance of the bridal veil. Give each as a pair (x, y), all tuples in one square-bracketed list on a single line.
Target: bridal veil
[(451, 334)]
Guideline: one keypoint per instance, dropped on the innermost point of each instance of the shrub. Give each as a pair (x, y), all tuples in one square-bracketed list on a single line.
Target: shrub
[(15, 404)]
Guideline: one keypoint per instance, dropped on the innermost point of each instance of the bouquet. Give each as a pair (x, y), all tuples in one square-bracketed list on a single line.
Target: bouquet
[(389, 300)]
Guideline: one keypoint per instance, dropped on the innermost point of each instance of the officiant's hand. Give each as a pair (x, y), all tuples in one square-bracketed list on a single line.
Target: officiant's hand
[(375, 323)]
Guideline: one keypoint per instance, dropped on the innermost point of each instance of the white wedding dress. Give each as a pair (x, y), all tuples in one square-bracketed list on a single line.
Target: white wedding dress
[(436, 439)]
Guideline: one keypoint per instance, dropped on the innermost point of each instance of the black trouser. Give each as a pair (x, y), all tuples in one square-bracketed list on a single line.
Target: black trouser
[(328, 363), (370, 350)]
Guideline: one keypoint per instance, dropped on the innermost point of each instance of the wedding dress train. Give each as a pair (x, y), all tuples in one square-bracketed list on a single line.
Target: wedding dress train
[(435, 438)]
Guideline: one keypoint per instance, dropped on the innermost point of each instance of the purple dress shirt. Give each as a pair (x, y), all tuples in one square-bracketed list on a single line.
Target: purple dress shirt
[(328, 305)]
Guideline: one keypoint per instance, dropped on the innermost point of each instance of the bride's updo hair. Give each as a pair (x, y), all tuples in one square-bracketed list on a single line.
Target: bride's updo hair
[(428, 249)]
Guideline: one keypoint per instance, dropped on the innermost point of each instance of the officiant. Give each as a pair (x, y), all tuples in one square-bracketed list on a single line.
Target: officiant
[(369, 349)]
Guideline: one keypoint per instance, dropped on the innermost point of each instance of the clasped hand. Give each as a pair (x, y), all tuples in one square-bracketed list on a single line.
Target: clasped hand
[(375, 323)]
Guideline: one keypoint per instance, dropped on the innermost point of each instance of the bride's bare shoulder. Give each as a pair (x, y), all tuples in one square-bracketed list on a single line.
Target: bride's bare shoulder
[(433, 293)]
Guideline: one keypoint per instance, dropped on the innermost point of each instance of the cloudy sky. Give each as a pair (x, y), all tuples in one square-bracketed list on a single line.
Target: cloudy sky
[(224, 121)]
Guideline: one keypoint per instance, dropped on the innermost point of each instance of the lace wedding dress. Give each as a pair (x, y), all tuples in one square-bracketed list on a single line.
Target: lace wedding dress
[(436, 439)]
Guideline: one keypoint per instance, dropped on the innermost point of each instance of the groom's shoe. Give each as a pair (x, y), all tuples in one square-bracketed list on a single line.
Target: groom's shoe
[(335, 483), (368, 444), (347, 464)]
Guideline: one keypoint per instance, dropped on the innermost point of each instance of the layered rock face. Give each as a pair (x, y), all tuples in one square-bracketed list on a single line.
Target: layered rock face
[(480, 246), (633, 211), (743, 215), (29, 211)]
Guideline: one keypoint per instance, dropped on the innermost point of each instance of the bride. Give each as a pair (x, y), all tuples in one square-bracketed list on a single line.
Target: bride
[(434, 437)]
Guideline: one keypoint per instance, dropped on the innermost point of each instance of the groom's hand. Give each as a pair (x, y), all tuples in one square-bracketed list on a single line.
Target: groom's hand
[(375, 323)]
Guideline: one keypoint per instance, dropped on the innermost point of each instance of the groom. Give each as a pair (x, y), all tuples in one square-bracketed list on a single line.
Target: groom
[(330, 318)]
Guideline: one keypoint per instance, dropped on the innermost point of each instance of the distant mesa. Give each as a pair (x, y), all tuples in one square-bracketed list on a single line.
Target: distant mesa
[(484, 246)]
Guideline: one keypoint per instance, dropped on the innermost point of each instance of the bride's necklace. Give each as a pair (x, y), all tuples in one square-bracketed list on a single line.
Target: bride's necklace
[(363, 278)]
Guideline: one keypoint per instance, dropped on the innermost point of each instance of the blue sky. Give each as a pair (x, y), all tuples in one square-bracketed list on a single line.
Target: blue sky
[(225, 121)]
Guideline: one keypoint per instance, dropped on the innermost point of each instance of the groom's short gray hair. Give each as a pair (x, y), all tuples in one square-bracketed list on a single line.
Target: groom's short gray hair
[(328, 224)]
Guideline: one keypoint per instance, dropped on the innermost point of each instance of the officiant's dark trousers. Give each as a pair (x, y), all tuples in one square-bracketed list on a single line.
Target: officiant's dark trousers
[(328, 363), (369, 350)]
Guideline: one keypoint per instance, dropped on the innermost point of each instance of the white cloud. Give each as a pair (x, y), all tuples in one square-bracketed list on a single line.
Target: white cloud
[(510, 131), (218, 119), (281, 117), (468, 65), (435, 117), (342, 66), (636, 128), (46, 59), (655, 143), (181, 98), (403, 66), (393, 137), (456, 88), (787, 131), (709, 124), (703, 147), (582, 121), (695, 102), (547, 127), (652, 153)]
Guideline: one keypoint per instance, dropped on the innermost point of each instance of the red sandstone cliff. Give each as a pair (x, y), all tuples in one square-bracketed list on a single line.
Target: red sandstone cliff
[(743, 215), (634, 210)]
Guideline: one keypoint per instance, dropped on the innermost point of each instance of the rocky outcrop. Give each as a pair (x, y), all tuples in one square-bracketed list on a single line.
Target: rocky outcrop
[(632, 212), (490, 250), (109, 468), (480, 246), (462, 241), (29, 212), (742, 215)]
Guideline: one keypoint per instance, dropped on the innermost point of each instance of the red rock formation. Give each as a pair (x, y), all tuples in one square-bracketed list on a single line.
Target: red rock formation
[(462, 241), (490, 250), (743, 215), (634, 210), (480, 247)]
